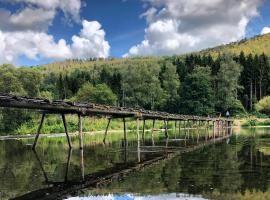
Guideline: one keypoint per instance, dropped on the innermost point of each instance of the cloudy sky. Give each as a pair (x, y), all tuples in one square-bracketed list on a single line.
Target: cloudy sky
[(40, 31)]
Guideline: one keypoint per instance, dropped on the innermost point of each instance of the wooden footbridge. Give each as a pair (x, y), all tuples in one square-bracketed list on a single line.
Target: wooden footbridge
[(111, 112)]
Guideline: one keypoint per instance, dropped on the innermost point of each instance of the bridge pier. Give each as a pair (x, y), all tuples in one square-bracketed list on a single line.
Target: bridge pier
[(138, 138), (125, 132), (152, 132), (106, 131), (40, 127), (143, 130), (179, 128), (166, 128), (80, 131), (66, 130)]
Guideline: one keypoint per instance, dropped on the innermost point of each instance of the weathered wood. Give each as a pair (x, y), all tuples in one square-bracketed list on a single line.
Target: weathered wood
[(68, 163), (106, 131), (39, 129), (138, 139), (143, 130), (66, 130), (179, 127), (90, 109), (125, 131), (166, 128), (214, 131), (82, 163), (152, 132), (80, 131)]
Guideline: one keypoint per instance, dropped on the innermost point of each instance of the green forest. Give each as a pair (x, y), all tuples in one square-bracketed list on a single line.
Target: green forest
[(192, 84)]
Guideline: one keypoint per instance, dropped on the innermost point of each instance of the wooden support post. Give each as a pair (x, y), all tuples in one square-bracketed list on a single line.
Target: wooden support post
[(198, 133), (152, 132), (175, 127), (125, 132), (179, 128), (41, 166), (106, 131), (223, 128), (207, 131), (66, 130), (166, 128), (185, 130), (188, 130), (226, 127), (192, 131), (68, 164), (82, 163), (214, 131), (138, 139), (218, 128), (143, 129), (39, 129), (80, 131)]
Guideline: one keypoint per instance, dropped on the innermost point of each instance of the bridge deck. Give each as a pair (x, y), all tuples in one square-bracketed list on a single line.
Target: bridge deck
[(90, 109)]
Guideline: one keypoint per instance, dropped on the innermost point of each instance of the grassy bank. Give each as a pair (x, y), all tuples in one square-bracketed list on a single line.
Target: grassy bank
[(54, 124), (252, 122)]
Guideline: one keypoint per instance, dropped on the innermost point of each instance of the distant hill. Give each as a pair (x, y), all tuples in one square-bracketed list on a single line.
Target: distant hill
[(256, 45), (71, 65)]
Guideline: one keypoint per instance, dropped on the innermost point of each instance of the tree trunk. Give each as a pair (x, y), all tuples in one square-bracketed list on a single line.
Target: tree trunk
[(251, 94), (255, 89), (260, 85)]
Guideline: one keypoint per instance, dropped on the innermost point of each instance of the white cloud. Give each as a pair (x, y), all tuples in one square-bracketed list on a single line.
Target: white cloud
[(24, 33), (265, 30), (90, 43), (176, 27), (71, 8), (36, 19)]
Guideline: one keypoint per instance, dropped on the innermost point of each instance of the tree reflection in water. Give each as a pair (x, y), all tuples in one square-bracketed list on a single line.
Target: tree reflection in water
[(232, 170)]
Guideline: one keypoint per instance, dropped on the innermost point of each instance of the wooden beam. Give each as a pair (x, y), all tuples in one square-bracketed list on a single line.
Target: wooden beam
[(166, 128), (125, 131), (138, 139), (80, 131), (39, 129), (143, 130), (90, 109), (106, 131), (66, 130)]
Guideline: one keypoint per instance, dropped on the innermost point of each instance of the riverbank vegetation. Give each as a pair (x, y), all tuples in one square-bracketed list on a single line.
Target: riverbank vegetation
[(192, 84)]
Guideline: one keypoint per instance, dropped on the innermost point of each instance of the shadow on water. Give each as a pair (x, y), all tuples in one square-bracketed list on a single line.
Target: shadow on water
[(161, 168)]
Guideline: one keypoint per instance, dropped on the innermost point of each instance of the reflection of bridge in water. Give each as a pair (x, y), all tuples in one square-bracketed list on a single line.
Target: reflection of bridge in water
[(69, 186), (220, 126)]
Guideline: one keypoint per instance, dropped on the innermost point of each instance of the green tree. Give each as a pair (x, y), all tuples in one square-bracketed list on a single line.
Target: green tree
[(9, 82), (31, 80), (263, 74), (141, 86), (227, 85), (100, 94), (263, 105), (197, 96), (170, 84)]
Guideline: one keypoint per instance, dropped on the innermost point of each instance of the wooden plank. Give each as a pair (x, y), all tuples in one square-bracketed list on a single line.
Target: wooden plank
[(91, 109)]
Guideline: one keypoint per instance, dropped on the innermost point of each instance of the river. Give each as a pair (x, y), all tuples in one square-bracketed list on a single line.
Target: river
[(234, 168)]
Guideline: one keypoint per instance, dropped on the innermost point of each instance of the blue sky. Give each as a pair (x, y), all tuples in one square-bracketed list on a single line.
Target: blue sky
[(34, 32)]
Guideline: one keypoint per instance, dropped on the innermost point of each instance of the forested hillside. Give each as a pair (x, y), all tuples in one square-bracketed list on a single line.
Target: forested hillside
[(192, 84), (256, 45)]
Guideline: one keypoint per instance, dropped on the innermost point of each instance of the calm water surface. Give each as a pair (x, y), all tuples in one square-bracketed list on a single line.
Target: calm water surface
[(236, 168)]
